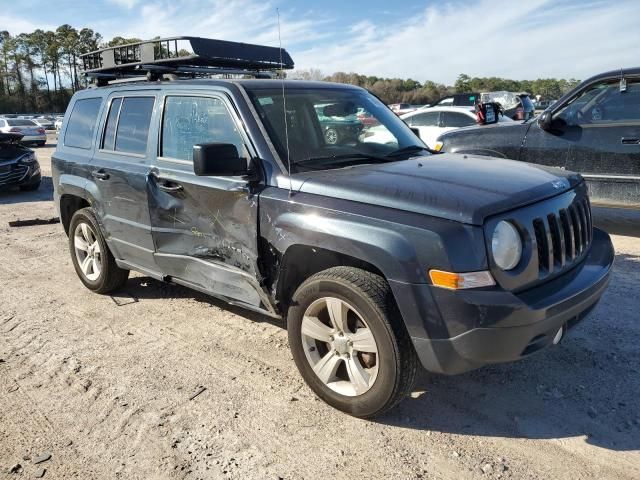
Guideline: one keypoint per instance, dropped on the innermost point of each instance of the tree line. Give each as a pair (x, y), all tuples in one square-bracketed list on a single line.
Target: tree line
[(397, 90), (39, 71)]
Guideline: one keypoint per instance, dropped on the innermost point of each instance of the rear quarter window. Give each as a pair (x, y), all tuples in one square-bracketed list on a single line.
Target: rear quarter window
[(82, 123)]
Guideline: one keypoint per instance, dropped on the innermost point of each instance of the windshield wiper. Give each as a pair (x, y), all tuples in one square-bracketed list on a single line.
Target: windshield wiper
[(343, 157), (409, 149)]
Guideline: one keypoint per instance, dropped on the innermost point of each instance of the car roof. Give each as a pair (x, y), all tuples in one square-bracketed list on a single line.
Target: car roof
[(252, 84), (438, 108)]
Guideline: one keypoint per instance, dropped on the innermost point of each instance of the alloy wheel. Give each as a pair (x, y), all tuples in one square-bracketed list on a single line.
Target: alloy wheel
[(339, 346), (87, 250)]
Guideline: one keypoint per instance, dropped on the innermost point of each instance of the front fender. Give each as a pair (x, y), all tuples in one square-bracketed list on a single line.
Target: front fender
[(401, 245)]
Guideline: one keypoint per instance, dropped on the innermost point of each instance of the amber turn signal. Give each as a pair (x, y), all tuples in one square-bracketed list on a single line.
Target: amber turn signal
[(456, 281)]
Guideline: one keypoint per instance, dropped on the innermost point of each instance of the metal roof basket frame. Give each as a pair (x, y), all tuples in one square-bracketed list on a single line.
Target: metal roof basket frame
[(189, 57)]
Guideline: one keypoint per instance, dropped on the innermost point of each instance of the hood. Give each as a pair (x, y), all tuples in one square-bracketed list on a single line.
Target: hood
[(463, 188)]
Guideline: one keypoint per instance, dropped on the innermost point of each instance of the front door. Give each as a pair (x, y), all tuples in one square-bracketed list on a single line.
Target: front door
[(204, 228), (119, 170), (608, 151)]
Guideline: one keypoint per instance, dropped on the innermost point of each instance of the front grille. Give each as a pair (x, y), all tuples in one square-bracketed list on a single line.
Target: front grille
[(14, 175), (562, 236), (556, 232)]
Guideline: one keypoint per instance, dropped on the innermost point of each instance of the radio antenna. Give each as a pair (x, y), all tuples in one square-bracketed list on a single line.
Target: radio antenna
[(284, 108)]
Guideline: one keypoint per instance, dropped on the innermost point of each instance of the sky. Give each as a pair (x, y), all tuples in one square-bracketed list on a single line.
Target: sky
[(420, 39)]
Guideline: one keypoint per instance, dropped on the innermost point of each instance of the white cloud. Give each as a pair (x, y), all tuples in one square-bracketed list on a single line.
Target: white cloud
[(16, 25), (129, 4), (520, 40), (538, 38)]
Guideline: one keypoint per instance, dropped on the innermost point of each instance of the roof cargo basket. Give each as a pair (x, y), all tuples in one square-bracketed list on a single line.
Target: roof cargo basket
[(184, 56)]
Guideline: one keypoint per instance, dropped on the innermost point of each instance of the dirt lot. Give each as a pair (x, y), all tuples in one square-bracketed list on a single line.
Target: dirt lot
[(104, 385)]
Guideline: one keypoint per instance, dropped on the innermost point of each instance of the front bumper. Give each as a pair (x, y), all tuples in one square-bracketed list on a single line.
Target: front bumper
[(18, 174), (509, 326)]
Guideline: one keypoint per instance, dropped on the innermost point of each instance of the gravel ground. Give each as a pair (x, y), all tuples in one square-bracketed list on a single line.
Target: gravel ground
[(105, 385)]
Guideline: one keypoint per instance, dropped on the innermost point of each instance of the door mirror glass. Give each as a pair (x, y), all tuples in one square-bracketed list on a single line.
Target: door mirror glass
[(218, 160)]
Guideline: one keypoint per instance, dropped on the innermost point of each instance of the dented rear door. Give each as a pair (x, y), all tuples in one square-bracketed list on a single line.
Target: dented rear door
[(204, 228)]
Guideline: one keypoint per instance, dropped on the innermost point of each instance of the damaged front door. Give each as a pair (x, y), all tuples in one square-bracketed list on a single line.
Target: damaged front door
[(204, 228)]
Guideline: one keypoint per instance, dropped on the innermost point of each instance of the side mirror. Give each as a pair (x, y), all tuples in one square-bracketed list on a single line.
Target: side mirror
[(545, 120), (416, 131), (218, 160)]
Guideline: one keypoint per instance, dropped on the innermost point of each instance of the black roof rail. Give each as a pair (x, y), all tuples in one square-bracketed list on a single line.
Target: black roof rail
[(184, 57)]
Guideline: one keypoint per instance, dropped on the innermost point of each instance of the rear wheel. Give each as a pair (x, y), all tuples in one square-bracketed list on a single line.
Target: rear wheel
[(349, 342), (91, 256)]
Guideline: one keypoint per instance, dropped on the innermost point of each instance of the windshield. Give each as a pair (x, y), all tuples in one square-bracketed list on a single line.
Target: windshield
[(333, 128), (20, 123)]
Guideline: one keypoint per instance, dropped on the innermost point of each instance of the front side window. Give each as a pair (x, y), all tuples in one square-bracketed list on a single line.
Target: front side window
[(190, 121), (603, 103), (319, 128), (132, 131), (82, 123)]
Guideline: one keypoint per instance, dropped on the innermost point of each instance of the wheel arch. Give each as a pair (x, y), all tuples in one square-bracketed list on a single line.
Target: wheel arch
[(68, 205), (301, 261)]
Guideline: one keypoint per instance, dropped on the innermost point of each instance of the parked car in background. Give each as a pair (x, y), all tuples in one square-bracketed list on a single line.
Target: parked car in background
[(594, 129), (338, 129), (403, 108), (44, 123), (19, 166), (431, 122), (31, 132), (517, 106), (58, 123), (366, 119)]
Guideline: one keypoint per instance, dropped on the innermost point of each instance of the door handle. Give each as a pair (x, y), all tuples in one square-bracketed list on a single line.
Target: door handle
[(630, 140), (100, 175)]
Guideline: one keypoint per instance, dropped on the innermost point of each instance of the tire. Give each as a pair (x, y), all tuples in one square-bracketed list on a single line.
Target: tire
[(386, 368), (101, 274), (30, 188), (331, 136)]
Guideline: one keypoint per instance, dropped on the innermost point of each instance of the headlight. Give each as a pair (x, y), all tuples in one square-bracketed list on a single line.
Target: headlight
[(506, 246), (29, 159)]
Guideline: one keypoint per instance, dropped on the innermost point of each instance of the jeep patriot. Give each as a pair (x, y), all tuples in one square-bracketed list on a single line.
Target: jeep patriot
[(380, 258)]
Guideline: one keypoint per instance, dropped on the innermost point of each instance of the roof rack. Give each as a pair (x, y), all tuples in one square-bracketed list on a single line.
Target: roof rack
[(177, 57)]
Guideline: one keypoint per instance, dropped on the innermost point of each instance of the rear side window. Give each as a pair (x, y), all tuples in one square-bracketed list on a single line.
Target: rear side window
[(132, 130), (429, 119), (109, 139), (82, 123)]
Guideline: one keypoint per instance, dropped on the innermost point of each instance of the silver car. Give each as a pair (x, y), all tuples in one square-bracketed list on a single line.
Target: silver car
[(31, 131), (45, 123)]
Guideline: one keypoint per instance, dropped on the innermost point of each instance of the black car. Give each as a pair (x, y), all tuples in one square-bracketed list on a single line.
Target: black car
[(19, 166), (378, 258), (594, 129)]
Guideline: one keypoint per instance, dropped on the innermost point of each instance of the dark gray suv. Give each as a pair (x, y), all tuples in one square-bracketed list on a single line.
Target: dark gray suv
[(380, 257)]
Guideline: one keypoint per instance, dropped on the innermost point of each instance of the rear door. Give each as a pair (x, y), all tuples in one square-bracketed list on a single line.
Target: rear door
[(607, 152), (205, 228), (119, 171)]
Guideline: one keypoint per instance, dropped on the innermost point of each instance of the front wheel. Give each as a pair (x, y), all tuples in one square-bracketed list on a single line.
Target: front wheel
[(91, 257), (349, 343)]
